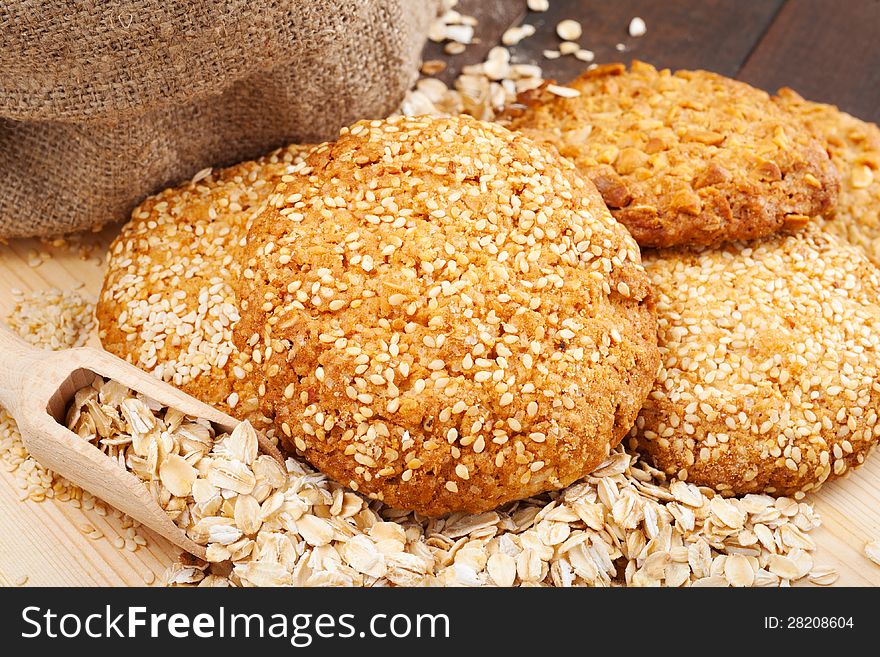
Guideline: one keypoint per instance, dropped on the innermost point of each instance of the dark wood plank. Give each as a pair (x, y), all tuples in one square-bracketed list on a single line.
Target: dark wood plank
[(826, 50), (716, 35), (494, 16), (823, 48)]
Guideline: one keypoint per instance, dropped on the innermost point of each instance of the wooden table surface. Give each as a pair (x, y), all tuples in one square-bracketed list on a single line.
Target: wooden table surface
[(822, 51)]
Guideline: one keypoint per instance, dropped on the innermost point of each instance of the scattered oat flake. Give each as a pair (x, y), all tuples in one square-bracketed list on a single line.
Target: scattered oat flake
[(872, 551), (569, 30), (514, 35), (739, 571), (463, 34), (433, 67), (824, 575), (637, 27), (783, 566)]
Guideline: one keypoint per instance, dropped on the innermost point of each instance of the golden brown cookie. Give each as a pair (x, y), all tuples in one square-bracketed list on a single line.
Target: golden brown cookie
[(770, 374), (685, 158), (167, 304), (445, 315), (854, 146)]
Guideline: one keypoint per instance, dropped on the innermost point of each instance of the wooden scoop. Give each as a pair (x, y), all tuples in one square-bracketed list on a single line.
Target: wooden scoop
[(36, 388)]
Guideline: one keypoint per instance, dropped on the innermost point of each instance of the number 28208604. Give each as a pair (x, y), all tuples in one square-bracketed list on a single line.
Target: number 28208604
[(808, 622)]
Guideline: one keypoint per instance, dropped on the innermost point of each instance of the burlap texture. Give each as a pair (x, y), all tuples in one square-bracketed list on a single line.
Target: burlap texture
[(103, 103)]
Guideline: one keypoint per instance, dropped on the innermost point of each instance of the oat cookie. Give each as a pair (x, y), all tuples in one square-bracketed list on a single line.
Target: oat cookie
[(167, 304), (770, 374), (445, 315), (685, 158), (854, 146)]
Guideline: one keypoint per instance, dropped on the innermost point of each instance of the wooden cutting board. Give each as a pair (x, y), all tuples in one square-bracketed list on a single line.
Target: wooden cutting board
[(45, 542)]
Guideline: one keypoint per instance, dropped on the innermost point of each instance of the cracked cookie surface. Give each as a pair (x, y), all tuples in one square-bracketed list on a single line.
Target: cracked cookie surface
[(684, 158), (854, 146)]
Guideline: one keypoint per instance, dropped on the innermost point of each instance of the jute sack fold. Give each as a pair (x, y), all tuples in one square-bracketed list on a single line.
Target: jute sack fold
[(103, 103)]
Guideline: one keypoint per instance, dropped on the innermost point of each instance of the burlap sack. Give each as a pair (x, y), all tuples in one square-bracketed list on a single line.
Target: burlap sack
[(105, 102)]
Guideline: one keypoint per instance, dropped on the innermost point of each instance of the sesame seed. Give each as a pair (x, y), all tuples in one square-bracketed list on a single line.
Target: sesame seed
[(564, 92)]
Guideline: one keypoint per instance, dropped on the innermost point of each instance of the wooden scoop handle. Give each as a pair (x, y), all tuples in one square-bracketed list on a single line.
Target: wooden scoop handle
[(36, 386), (31, 379)]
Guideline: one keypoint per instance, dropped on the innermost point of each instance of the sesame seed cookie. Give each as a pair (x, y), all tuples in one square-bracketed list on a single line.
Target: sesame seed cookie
[(167, 303), (445, 315), (685, 158), (770, 374), (854, 146)]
